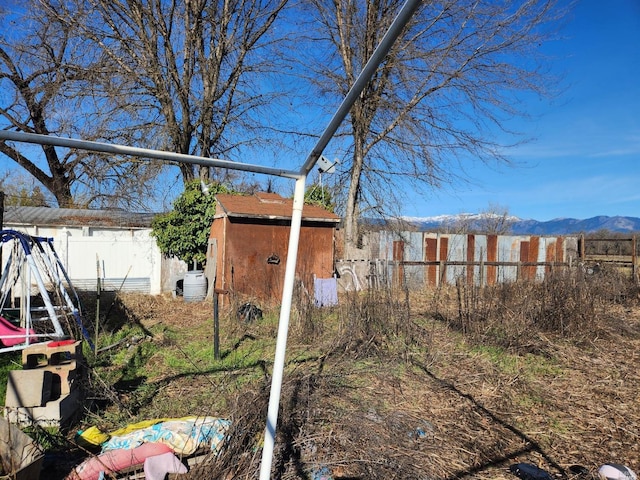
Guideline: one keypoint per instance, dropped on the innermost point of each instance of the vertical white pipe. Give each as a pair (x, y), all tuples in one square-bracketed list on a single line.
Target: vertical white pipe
[(283, 328)]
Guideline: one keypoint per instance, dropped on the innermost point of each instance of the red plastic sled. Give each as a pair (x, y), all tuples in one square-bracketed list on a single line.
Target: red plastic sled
[(17, 334)]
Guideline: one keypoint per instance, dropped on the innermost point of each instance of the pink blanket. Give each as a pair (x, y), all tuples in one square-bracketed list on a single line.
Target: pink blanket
[(115, 460)]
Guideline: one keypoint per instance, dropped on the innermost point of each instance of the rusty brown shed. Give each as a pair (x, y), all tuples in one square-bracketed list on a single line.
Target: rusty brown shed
[(251, 238)]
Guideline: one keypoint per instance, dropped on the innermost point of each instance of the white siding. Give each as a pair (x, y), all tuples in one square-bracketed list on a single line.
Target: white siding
[(121, 253)]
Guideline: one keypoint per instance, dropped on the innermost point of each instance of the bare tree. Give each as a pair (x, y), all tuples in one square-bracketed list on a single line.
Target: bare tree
[(449, 82), (493, 220), (33, 70), (46, 73), (186, 71)]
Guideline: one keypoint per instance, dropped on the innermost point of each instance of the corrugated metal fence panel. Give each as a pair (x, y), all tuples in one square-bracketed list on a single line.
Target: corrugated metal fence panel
[(426, 258), (411, 251), (412, 245), (491, 272), (457, 252), (508, 251), (480, 255), (414, 274), (431, 255), (547, 246), (385, 245)]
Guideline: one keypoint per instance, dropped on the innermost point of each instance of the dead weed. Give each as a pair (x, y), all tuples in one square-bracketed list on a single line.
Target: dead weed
[(436, 404)]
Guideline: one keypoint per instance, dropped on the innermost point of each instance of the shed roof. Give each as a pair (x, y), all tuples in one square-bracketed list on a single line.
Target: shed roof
[(268, 206), (46, 217)]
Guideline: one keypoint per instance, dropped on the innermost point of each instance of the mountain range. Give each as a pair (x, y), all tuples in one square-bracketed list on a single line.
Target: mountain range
[(519, 226)]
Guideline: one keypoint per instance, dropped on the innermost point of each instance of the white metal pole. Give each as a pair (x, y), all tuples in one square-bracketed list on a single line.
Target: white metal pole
[(283, 329), (406, 12), (141, 152)]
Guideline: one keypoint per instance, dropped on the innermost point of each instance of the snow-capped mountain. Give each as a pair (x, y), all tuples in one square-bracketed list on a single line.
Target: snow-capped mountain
[(557, 226)]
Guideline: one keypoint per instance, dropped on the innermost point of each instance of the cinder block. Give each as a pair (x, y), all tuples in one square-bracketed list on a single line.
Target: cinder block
[(52, 353), (55, 413), (63, 379), (34, 360), (28, 388)]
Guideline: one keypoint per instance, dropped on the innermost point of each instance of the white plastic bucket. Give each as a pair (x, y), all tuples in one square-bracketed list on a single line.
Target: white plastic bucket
[(194, 286)]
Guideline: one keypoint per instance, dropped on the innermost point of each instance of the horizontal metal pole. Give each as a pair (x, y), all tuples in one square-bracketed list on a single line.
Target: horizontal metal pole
[(142, 152)]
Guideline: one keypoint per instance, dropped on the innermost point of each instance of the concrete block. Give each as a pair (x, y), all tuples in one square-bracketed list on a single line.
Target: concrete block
[(28, 388), (52, 353), (55, 413), (63, 380)]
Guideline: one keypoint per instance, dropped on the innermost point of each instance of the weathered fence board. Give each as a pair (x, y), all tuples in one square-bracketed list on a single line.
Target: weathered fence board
[(419, 259)]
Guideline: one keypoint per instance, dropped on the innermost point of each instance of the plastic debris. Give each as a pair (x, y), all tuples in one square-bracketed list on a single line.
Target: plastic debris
[(615, 471), (528, 471), (322, 473)]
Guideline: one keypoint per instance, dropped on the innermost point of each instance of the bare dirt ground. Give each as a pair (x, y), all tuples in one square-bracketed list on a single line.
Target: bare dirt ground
[(442, 406)]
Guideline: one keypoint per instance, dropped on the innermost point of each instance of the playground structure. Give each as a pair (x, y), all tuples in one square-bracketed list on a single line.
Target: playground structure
[(37, 300)]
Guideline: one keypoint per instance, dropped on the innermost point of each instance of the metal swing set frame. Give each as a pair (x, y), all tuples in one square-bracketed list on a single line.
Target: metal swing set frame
[(53, 311), (300, 177)]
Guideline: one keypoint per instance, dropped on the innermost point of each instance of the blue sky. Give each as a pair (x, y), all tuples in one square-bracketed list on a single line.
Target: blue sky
[(584, 160)]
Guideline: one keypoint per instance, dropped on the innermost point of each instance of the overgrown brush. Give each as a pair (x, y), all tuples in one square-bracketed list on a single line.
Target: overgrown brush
[(310, 324), (570, 303), (375, 321), (240, 457)]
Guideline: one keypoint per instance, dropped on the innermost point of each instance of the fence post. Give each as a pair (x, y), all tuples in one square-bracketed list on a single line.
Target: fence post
[(216, 324)]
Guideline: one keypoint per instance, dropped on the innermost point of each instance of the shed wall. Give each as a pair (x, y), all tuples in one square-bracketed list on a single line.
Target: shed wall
[(252, 255)]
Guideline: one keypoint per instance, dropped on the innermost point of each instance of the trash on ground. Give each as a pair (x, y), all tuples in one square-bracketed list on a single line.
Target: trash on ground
[(20, 457), (154, 444), (615, 471)]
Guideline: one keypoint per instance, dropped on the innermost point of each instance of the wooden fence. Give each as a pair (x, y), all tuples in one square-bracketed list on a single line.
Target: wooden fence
[(620, 253)]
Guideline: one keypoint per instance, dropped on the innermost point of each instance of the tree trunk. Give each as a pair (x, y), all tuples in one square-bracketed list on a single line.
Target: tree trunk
[(353, 193)]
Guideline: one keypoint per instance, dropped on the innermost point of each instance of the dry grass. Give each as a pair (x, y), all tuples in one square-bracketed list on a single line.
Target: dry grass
[(446, 384)]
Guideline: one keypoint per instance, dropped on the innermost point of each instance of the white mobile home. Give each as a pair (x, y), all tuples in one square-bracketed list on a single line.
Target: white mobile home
[(115, 245)]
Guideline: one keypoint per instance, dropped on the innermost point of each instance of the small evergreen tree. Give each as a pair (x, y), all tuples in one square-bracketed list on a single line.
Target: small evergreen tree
[(320, 196), (184, 231)]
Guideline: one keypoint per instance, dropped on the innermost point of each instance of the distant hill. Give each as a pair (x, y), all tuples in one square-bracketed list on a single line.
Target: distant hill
[(557, 226)]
